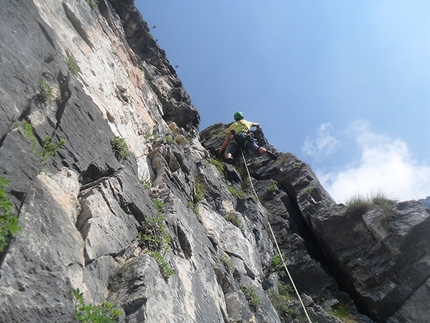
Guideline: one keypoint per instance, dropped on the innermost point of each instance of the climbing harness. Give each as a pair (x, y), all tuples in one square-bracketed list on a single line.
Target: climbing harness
[(241, 138), (276, 243)]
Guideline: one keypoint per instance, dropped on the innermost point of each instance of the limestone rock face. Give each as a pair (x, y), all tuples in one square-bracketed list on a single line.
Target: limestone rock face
[(120, 199), (381, 254)]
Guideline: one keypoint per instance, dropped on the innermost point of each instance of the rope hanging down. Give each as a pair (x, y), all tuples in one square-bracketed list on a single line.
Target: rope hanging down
[(276, 243)]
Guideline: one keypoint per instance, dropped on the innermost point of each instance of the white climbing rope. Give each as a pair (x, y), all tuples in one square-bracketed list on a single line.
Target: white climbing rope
[(276, 243)]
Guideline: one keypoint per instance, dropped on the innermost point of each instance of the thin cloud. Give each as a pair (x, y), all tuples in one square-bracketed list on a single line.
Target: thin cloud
[(386, 166), (325, 143)]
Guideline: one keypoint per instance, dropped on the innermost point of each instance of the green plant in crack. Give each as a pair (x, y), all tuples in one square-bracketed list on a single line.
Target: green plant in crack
[(72, 66), (233, 218), (126, 98), (277, 262), (359, 205), (308, 190), (88, 313), (199, 193), (169, 139), (8, 221), (159, 205), (343, 310), (228, 264), (281, 300), (153, 236), (93, 4), (147, 184), (165, 269), (120, 148), (194, 207), (236, 192), (272, 187), (251, 296), (241, 169), (46, 93), (219, 165), (47, 149)]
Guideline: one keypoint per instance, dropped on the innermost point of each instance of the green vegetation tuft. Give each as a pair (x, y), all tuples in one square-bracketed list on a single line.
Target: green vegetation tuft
[(45, 151), (147, 184), (233, 218), (93, 4), (236, 192), (359, 204), (120, 148), (169, 139), (8, 221), (228, 264), (46, 93), (153, 235), (252, 297), (199, 193), (72, 66), (277, 261), (194, 207), (87, 313), (272, 187), (308, 190), (126, 98), (219, 165), (165, 269), (344, 309), (159, 205)]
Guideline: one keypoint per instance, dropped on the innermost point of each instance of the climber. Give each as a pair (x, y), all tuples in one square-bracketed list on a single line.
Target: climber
[(238, 136)]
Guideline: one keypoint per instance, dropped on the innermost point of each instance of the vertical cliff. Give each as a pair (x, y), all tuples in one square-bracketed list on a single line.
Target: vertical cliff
[(122, 201)]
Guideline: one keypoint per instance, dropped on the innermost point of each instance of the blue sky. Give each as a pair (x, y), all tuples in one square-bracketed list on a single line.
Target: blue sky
[(343, 85)]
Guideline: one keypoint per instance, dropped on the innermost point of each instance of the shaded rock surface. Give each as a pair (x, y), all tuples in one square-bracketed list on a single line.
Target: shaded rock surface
[(79, 78)]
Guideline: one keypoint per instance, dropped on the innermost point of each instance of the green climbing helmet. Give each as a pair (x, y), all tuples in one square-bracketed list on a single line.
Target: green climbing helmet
[(238, 115)]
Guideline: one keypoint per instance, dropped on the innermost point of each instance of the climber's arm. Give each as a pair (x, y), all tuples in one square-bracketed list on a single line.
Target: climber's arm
[(224, 145)]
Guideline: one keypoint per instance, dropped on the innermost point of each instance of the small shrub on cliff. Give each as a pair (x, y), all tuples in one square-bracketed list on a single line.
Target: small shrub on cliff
[(46, 93), (359, 205), (159, 205), (281, 301), (228, 264), (93, 4), (8, 221), (234, 219), (252, 297), (45, 151), (343, 310), (236, 192), (153, 235), (87, 313), (165, 269), (277, 262), (199, 194), (272, 188), (120, 148), (72, 66), (147, 184), (219, 165)]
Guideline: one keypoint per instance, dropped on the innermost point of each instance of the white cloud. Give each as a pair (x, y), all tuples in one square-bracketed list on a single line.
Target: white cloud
[(385, 166), (324, 144)]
